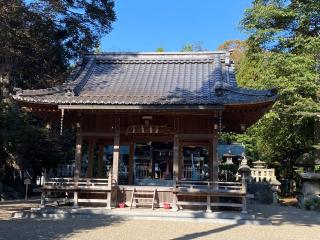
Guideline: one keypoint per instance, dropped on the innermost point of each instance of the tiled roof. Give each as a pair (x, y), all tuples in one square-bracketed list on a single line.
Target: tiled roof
[(230, 149), (150, 78)]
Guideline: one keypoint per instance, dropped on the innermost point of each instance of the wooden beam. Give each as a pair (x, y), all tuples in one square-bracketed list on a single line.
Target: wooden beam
[(100, 160), (198, 136), (90, 158), (97, 134), (153, 138), (140, 107), (195, 143)]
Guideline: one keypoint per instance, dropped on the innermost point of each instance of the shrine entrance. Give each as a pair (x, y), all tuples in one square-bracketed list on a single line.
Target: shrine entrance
[(153, 163)]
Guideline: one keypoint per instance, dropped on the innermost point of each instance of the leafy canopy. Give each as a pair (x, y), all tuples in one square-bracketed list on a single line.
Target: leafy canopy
[(39, 41), (284, 52), (39, 38)]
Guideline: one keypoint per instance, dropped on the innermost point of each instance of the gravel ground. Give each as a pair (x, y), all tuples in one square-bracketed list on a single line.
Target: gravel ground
[(288, 223)]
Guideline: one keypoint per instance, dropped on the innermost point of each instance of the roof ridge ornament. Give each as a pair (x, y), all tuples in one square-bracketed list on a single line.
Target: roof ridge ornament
[(17, 91), (219, 88), (69, 92), (228, 61)]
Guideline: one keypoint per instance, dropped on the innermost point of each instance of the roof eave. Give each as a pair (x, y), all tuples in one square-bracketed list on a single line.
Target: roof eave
[(141, 107)]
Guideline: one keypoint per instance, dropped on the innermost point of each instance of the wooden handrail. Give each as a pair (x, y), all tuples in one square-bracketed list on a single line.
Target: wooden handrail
[(210, 186), (75, 183), (206, 182)]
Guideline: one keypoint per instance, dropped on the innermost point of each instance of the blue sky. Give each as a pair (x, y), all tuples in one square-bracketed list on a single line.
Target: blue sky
[(145, 25)]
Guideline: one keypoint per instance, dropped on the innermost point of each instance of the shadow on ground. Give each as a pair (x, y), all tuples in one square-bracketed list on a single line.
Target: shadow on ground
[(205, 233), (280, 215), (46, 229)]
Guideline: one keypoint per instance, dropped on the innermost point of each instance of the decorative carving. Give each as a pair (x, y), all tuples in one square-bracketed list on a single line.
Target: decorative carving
[(151, 129)]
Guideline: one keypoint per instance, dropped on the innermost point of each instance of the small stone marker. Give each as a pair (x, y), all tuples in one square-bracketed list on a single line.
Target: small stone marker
[(27, 182)]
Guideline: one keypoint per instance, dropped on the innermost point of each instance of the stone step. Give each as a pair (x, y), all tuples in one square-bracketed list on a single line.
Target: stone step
[(163, 215)]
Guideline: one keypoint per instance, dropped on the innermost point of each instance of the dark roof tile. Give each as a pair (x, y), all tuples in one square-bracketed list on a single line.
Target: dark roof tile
[(150, 78)]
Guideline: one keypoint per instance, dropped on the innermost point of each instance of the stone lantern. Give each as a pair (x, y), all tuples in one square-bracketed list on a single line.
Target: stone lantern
[(244, 170)]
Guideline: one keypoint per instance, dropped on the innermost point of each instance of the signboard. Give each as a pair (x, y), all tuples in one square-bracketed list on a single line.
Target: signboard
[(27, 182)]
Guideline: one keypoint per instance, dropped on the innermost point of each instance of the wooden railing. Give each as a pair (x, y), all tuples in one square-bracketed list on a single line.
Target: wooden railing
[(77, 184), (211, 189), (210, 186), (142, 170), (194, 173), (60, 189)]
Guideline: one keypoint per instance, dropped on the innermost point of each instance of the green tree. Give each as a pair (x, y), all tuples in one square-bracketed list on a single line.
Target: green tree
[(160, 49), (38, 41), (283, 52), (237, 47), (193, 47), (187, 48)]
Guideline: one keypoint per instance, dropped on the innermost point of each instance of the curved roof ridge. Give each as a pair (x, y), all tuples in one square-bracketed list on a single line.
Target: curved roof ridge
[(251, 92), (82, 78), (158, 53), (37, 92)]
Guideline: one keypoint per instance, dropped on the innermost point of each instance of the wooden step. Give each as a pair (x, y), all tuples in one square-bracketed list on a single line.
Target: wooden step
[(140, 198), (142, 204), (140, 193), (143, 195)]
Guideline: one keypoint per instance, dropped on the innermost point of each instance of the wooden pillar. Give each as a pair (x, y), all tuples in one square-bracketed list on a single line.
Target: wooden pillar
[(90, 158), (109, 192), (100, 160), (175, 197), (131, 163), (181, 160), (176, 170), (215, 163), (214, 171), (211, 159), (208, 204), (152, 164), (78, 158), (116, 161), (116, 152)]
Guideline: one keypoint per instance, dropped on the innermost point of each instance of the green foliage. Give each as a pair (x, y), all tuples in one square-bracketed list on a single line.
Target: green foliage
[(38, 39), (187, 48), (238, 48), (248, 140), (98, 49), (193, 47), (279, 25), (283, 52), (160, 49), (312, 204), (28, 145)]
